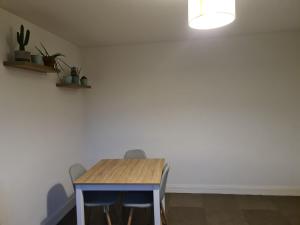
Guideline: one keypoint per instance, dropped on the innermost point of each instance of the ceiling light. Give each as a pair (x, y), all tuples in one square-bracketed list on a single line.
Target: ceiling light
[(210, 14)]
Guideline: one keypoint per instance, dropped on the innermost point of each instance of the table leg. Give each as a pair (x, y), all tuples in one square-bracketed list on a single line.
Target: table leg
[(79, 207), (156, 206)]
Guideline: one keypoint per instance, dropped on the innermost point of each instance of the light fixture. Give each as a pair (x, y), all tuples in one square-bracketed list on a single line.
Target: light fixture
[(210, 14)]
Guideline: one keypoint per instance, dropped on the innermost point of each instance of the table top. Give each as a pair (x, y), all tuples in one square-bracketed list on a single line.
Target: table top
[(124, 171)]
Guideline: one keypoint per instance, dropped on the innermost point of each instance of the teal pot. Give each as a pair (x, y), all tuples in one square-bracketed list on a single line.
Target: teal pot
[(68, 79), (23, 56), (84, 81), (74, 71), (75, 79), (37, 59)]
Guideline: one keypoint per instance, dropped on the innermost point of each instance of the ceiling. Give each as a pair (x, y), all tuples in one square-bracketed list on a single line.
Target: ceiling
[(88, 23)]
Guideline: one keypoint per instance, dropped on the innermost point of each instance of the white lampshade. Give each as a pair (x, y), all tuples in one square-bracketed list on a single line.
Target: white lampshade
[(210, 14)]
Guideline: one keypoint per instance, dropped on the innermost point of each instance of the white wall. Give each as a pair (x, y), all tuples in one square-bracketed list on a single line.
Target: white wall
[(224, 112), (41, 131)]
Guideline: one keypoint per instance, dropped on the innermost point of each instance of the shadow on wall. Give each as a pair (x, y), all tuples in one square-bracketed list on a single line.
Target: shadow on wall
[(58, 204)]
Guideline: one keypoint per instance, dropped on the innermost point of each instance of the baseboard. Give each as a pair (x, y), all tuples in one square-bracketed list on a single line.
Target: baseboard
[(234, 189), (60, 212)]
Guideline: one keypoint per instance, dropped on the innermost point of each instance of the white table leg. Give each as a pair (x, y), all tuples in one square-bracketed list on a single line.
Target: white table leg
[(79, 207), (156, 205)]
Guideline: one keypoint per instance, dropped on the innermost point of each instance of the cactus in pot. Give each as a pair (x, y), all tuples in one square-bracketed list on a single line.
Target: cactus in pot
[(23, 39)]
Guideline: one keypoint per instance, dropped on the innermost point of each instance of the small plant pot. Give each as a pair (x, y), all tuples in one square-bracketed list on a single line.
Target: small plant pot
[(37, 59), (49, 61), (68, 79), (74, 71), (75, 79), (84, 81), (23, 56)]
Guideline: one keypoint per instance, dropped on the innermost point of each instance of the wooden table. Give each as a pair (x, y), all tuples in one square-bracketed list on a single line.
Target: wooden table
[(121, 175)]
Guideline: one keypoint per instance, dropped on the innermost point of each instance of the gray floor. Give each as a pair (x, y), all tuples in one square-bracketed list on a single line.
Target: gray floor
[(204, 209)]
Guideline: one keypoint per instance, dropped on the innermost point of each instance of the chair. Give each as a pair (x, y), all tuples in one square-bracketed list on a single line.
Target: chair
[(94, 198), (145, 199), (135, 154)]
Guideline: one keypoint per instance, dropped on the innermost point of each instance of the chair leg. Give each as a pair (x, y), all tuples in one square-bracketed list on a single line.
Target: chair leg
[(163, 215), (130, 216), (106, 211)]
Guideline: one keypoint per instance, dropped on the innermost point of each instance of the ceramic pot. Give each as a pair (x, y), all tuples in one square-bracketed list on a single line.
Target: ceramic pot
[(74, 71), (84, 81), (37, 59), (68, 79), (49, 61), (22, 56), (75, 79)]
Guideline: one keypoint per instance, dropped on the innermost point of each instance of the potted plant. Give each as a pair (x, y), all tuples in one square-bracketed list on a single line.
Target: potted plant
[(50, 60), (37, 59), (84, 81), (75, 72), (67, 79), (23, 39)]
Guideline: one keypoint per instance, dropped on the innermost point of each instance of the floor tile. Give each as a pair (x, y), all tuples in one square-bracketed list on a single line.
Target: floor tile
[(265, 217), (206, 209), (140, 216), (224, 217), (286, 203), (255, 202), (184, 200), (292, 216), (289, 207), (214, 201), (186, 216)]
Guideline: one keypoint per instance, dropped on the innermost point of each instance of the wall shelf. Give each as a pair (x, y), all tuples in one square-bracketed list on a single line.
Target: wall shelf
[(74, 86), (41, 69), (30, 66)]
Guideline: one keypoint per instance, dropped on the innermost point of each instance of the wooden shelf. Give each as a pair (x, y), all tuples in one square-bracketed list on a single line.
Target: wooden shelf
[(74, 86), (30, 66)]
